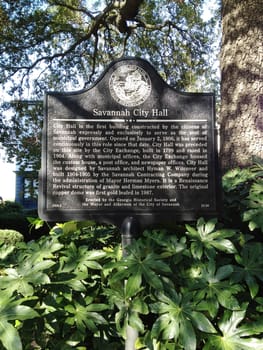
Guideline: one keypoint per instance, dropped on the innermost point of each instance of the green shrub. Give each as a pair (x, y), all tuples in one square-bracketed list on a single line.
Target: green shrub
[(10, 236), (196, 289), (192, 291), (243, 197), (12, 216), (11, 207), (14, 221)]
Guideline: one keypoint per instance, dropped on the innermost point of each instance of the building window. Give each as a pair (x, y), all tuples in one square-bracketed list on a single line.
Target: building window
[(30, 188)]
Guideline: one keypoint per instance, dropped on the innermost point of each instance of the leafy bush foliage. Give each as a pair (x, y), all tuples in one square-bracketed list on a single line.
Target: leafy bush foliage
[(15, 221), (10, 236), (197, 289), (243, 200), (10, 207), (13, 216)]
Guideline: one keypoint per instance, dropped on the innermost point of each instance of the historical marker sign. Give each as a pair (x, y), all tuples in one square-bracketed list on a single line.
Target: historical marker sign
[(129, 145)]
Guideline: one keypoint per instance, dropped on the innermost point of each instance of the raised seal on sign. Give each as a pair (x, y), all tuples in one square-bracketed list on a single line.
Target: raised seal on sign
[(130, 85)]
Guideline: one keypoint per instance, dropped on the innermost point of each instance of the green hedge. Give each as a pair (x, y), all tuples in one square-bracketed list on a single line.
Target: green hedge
[(13, 216), (14, 221), (10, 236), (196, 287)]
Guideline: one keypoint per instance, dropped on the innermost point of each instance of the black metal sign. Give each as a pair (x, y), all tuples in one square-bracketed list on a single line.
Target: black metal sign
[(129, 145)]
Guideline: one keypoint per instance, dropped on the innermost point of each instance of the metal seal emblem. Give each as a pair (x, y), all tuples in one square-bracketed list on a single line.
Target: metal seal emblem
[(130, 85)]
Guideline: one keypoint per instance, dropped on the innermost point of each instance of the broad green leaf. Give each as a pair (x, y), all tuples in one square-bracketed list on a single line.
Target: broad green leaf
[(133, 284), (170, 329), (235, 177), (179, 319), (122, 274), (162, 325), (94, 307), (255, 218), (6, 250), (85, 315), (227, 300), (214, 287), (234, 337), (80, 259), (15, 282), (252, 327), (254, 204), (121, 321), (10, 309), (138, 262), (224, 245), (204, 228), (18, 312), (202, 323), (187, 335), (230, 321), (170, 245), (210, 304), (93, 254), (191, 231), (223, 233), (97, 318), (251, 266), (42, 249), (197, 250), (206, 239), (140, 306), (26, 276), (69, 227), (35, 222), (224, 272), (9, 336), (259, 302), (135, 322), (252, 284), (152, 278), (76, 285)]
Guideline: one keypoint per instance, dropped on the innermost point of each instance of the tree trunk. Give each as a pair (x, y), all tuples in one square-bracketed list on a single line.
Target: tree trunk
[(241, 114)]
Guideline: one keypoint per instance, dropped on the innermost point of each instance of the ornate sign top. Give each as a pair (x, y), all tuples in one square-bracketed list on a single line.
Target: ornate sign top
[(130, 85)]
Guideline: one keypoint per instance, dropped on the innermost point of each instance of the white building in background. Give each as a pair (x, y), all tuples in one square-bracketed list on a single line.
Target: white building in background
[(26, 188), (7, 178), (14, 186)]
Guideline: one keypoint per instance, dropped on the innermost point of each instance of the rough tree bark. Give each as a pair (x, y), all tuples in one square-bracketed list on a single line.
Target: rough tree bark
[(242, 82)]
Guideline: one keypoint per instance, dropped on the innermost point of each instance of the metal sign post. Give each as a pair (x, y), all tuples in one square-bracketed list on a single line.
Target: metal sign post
[(129, 231)]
